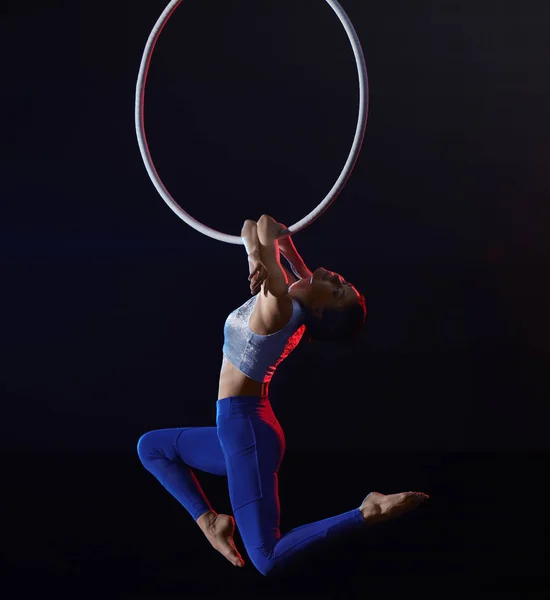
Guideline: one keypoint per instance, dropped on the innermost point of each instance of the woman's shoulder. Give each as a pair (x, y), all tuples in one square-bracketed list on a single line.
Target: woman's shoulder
[(271, 314)]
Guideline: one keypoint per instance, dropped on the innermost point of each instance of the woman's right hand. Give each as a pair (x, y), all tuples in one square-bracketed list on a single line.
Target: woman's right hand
[(258, 274)]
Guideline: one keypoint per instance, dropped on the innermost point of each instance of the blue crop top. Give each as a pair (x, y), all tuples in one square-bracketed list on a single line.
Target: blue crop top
[(257, 356)]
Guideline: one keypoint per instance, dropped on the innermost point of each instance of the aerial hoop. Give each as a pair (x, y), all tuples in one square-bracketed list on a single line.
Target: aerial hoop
[(342, 179)]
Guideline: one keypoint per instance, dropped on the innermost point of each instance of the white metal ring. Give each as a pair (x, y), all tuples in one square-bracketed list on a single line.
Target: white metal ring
[(340, 182)]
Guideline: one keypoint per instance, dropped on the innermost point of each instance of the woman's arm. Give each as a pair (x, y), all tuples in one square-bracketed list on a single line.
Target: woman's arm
[(258, 271), (288, 250), (249, 234), (268, 231)]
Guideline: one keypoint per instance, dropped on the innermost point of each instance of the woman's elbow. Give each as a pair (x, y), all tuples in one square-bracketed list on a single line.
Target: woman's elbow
[(266, 220), (248, 225)]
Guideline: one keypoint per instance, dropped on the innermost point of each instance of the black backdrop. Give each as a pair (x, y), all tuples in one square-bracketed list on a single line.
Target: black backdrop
[(113, 308)]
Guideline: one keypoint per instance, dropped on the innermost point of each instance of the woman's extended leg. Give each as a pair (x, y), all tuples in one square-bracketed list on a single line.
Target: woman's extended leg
[(253, 444), (169, 455)]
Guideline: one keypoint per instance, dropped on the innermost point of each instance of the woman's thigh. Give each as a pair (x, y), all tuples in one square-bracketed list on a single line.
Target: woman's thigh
[(200, 448), (253, 448)]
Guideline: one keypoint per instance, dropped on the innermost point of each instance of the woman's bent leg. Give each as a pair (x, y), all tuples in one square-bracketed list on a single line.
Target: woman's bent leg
[(168, 454), (253, 444)]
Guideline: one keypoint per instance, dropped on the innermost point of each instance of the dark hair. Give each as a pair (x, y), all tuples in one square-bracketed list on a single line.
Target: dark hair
[(336, 325)]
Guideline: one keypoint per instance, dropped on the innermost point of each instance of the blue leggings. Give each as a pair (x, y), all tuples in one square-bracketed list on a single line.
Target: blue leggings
[(247, 447)]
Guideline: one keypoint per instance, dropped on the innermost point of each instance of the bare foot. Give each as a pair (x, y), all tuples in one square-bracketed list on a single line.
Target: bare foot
[(219, 530), (377, 507)]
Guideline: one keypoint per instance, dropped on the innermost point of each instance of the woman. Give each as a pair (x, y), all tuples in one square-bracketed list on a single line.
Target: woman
[(248, 443)]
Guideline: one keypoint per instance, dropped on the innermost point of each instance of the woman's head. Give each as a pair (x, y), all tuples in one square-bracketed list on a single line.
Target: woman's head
[(335, 310)]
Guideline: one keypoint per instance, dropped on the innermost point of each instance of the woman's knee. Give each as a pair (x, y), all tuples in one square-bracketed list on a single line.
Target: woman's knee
[(144, 446), (153, 444), (265, 566)]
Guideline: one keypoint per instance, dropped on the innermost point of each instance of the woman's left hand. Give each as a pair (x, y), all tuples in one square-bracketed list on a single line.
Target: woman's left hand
[(258, 274)]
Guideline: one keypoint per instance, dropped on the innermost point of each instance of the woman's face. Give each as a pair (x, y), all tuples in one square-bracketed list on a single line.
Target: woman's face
[(325, 289)]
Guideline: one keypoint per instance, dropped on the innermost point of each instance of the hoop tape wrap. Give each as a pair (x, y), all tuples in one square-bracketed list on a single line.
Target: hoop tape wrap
[(342, 179)]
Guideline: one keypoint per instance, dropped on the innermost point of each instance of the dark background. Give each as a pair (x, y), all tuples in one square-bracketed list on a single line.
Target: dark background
[(113, 308)]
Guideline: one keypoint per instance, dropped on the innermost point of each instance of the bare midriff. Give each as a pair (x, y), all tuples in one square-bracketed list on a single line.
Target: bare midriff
[(235, 383)]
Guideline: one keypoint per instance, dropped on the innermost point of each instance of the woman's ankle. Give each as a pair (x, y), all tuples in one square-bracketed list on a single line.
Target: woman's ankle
[(206, 520)]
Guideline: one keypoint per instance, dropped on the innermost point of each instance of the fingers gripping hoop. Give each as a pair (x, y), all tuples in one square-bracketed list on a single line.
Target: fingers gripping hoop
[(342, 179)]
